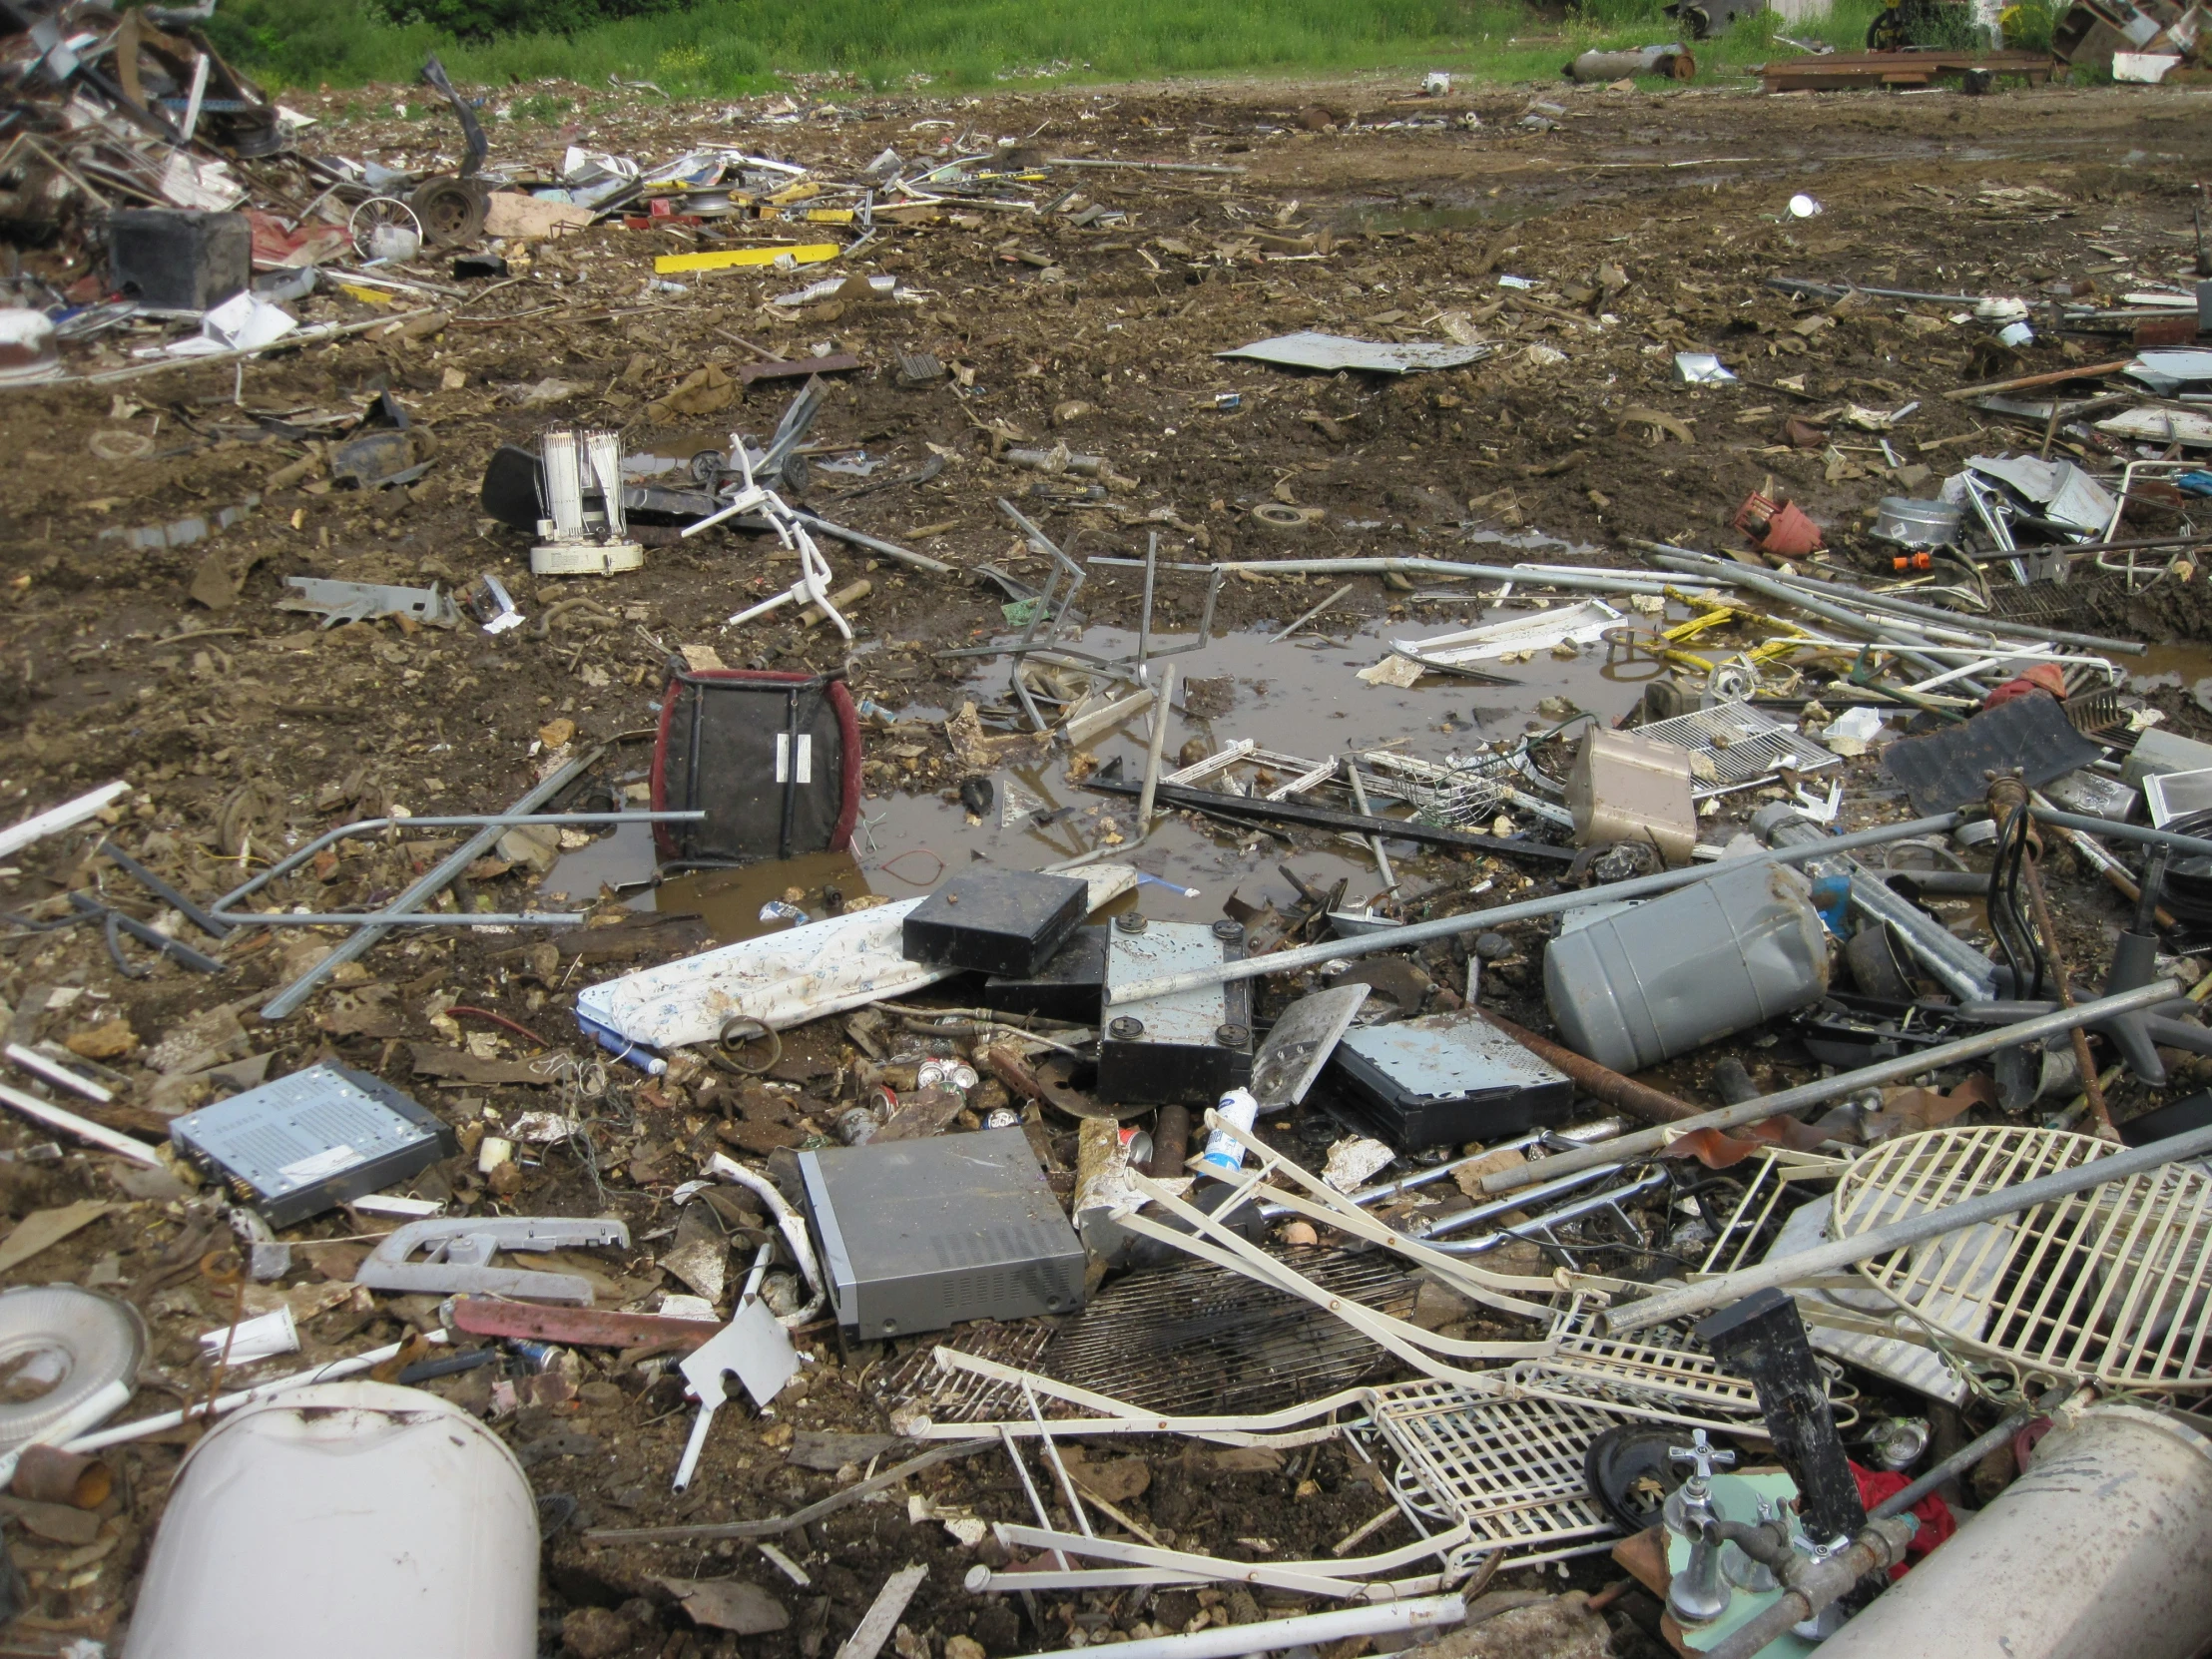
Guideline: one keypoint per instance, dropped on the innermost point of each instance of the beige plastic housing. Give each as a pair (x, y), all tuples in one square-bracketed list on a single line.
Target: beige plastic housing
[(1623, 788)]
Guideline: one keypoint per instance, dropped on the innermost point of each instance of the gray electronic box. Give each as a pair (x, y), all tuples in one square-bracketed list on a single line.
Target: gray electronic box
[(309, 1142), (921, 1235)]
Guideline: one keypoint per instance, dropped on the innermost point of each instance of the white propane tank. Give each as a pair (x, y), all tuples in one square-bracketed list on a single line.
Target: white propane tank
[(347, 1520)]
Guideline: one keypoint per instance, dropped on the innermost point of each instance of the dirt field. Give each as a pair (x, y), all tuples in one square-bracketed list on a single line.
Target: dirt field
[(1648, 225)]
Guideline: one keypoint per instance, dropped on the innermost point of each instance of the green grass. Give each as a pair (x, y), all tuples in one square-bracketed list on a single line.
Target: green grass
[(732, 47)]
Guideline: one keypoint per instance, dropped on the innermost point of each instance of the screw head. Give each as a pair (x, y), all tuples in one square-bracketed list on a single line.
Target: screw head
[(1233, 1035), (1130, 922), (1125, 1029), (1227, 931)]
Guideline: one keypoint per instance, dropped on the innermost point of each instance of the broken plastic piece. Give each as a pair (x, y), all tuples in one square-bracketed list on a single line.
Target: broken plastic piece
[(459, 1247)]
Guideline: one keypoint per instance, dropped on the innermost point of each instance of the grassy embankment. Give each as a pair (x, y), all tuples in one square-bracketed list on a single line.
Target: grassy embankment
[(724, 48)]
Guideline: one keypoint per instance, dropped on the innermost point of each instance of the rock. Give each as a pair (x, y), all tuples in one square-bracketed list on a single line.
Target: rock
[(110, 1040), (728, 1604), (595, 1633), (1549, 1628), (1117, 1482), (1299, 1234), (1436, 1307), (962, 1647), (554, 733)]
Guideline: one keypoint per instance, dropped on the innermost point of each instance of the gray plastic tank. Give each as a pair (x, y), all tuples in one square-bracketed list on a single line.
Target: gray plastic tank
[(1661, 978)]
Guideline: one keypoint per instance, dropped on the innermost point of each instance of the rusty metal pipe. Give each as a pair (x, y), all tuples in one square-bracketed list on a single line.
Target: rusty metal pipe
[(1599, 1082)]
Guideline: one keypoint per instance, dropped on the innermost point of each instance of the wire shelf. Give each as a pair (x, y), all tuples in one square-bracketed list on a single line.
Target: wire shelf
[(2107, 1286)]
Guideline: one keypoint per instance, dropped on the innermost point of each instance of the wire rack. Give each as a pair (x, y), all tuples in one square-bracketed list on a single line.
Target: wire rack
[(1657, 1373), (2108, 1285), (1744, 745), (1511, 1469)]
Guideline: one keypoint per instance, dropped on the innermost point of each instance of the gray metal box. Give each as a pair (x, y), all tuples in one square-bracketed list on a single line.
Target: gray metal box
[(171, 260), (309, 1142), (921, 1235), (1188, 1049)]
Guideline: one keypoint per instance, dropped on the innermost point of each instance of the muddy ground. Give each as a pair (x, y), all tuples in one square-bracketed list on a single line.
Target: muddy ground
[(1648, 224)]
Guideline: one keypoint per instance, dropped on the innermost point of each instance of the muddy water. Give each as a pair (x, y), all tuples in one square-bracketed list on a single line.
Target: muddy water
[(1298, 697)]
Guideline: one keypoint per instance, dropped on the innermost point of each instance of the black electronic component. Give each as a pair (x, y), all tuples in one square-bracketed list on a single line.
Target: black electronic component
[(1070, 988), (1444, 1079), (1188, 1049), (1003, 922)]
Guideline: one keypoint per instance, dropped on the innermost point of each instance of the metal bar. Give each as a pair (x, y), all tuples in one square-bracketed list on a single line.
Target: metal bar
[(435, 882), (1311, 817), (1306, 616), (1595, 581), (2126, 832), (1151, 573), (875, 544), (1360, 799), (1843, 1083), (1690, 1300), (210, 925), (366, 825), (1162, 706), (1964, 1458), (69, 1123), (1444, 927)]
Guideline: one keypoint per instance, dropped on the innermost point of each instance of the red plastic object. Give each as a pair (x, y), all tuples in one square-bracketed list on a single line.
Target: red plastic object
[(1934, 1514), (2047, 678), (1791, 535)]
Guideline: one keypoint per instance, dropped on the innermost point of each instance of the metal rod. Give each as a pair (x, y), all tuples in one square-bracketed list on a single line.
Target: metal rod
[(1709, 1293), (1596, 580), (1360, 799), (1162, 706), (1843, 1083), (1598, 1083), (875, 544), (1996, 627), (369, 826), (1244, 809), (1306, 616), (1227, 1641), (2126, 832), (1971, 1453), (1144, 617), (435, 882), (1445, 927), (69, 1123), (1895, 636)]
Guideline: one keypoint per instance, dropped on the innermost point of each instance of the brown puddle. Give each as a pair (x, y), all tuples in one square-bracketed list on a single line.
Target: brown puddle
[(1297, 696)]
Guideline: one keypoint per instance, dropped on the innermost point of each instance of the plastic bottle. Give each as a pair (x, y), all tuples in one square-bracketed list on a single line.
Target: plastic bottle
[(1662, 979), (1224, 1155)]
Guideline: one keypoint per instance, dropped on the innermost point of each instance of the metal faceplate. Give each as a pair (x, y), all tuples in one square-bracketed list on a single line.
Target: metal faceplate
[(1165, 947), (296, 1131), (1449, 1056)]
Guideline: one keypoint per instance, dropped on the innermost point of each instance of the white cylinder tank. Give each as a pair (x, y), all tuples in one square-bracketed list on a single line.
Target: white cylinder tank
[(2101, 1550), (347, 1520)]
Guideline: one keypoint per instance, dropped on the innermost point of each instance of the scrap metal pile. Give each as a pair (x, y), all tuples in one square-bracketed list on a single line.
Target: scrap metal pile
[(1704, 1154)]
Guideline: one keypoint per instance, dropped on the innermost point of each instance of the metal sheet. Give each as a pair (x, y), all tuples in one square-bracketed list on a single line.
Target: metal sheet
[(1331, 353), (1300, 1043)]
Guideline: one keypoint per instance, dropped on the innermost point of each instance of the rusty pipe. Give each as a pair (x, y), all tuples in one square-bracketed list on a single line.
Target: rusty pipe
[(1599, 1082)]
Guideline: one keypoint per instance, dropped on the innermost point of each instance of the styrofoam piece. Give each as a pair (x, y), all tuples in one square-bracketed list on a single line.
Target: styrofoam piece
[(370, 1519), (780, 980)]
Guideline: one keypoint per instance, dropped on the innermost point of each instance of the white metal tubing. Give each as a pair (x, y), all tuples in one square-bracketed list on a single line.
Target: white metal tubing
[(1534, 576), (1860, 1247), (1843, 1083), (1226, 1641), (1444, 927), (69, 1123), (123, 1434)]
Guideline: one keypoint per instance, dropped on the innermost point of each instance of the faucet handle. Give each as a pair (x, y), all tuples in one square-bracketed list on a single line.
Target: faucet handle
[(1702, 1456)]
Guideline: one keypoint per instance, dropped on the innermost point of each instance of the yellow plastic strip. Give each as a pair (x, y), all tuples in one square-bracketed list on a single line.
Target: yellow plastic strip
[(729, 258)]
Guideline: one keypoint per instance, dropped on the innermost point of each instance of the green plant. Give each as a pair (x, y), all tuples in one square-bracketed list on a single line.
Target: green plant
[(490, 19), (541, 106)]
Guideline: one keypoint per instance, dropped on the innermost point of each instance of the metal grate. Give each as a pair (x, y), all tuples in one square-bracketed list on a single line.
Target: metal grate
[(1510, 1468), (1188, 1339), (1657, 1373), (1198, 1338), (2108, 1285), (1768, 1197), (962, 1397), (1744, 745)]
